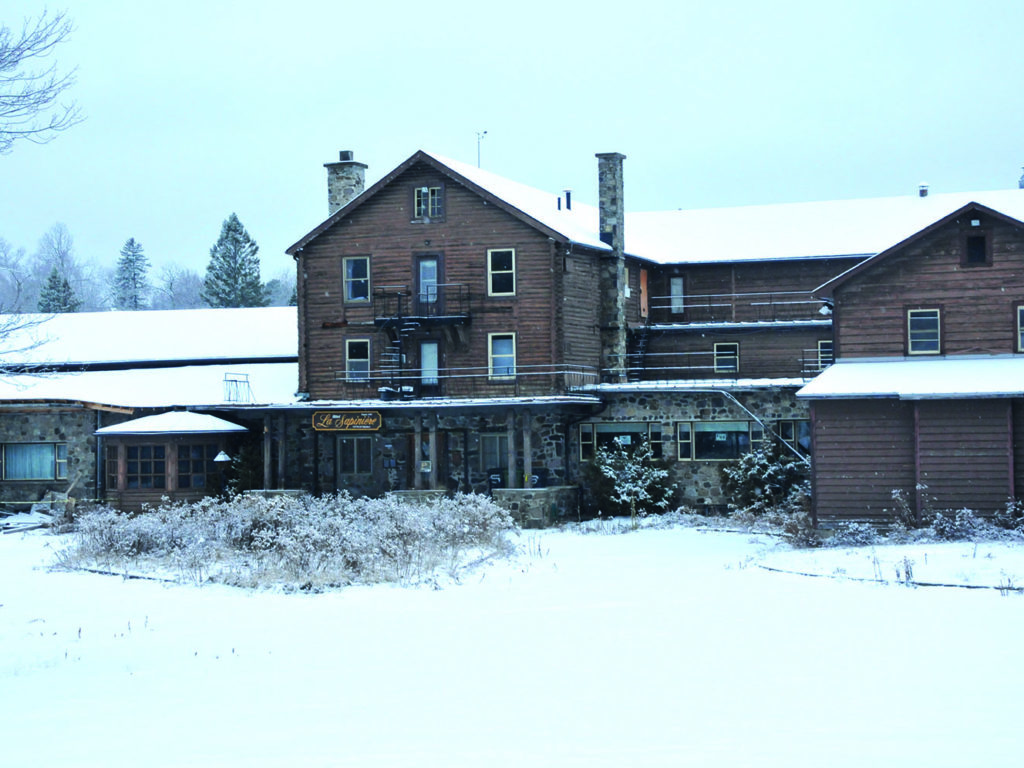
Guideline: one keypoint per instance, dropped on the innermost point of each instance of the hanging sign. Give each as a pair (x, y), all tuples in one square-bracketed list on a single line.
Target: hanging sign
[(346, 421)]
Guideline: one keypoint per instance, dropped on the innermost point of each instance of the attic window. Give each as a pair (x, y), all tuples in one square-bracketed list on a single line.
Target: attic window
[(428, 203), (976, 250)]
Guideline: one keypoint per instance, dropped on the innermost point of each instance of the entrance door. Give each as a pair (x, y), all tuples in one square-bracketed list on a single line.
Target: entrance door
[(428, 281), (430, 370)]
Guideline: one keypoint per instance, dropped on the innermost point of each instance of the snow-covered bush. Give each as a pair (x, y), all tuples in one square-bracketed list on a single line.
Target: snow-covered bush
[(1011, 517), (631, 480), (302, 541), (963, 524), (854, 535), (766, 481)]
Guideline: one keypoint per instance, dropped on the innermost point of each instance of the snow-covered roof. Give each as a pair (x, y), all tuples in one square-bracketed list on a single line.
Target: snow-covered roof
[(147, 337), (426, 403), (580, 223), (834, 228), (194, 385), (173, 422), (695, 385), (960, 376), (860, 227)]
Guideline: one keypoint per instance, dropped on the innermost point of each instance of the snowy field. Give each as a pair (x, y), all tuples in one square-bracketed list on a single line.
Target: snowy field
[(656, 648)]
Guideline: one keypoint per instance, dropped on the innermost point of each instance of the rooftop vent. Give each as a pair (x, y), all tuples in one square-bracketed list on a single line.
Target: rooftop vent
[(922, 190)]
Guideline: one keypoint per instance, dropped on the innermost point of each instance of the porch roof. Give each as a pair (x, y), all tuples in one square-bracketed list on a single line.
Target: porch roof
[(173, 423), (933, 378)]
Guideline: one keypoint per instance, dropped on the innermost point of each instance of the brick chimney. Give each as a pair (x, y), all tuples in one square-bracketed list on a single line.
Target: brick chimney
[(612, 221), (345, 181)]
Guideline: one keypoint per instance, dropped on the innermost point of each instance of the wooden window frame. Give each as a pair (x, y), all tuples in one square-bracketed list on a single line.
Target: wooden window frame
[(687, 443), (677, 301), (976, 231), (653, 431), (721, 356), (143, 461), (357, 442), (492, 272), (193, 467), (348, 282), (428, 203), (1020, 327), (357, 376), (58, 461), (920, 312), (491, 338)]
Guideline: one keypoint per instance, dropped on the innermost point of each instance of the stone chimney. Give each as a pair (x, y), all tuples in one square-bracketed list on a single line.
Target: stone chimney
[(612, 221), (609, 194), (345, 181)]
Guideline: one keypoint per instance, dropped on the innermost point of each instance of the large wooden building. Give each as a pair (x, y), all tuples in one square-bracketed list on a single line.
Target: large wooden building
[(460, 331), (927, 395)]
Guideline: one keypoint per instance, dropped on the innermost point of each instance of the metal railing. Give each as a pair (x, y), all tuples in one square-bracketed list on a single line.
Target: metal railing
[(442, 301), (765, 306), (479, 381), (705, 364)]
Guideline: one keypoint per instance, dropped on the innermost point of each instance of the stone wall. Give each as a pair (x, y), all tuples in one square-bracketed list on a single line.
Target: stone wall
[(75, 427), (699, 482), (539, 507)]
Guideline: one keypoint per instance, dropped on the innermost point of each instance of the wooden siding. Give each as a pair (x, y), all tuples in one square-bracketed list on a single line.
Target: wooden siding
[(965, 453), (770, 352), (743, 292), (977, 302), (863, 450), (383, 229)]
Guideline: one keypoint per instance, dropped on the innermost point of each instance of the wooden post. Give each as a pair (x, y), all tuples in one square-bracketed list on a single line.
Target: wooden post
[(527, 448), (267, 453), (417, 452), (513, 469), (432, 451), (282, 450)]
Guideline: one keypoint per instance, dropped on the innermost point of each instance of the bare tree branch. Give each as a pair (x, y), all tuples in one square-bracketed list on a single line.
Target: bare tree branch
[(30, 91)]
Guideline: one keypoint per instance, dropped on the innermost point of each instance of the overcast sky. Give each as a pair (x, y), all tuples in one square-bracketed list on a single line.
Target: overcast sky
[(197, 108)]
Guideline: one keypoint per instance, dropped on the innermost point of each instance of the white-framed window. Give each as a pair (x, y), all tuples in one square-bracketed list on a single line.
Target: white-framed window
[(727, 357), (501, 272), (428, 203), (34, 461), (501, 355), (1020, 328), (355, 455), (357, 360), (430, 373), (797, 433), (717, 440), (494, 451), (629, 434), (356, 278), (677, 295), (923, 332), (825, 354)]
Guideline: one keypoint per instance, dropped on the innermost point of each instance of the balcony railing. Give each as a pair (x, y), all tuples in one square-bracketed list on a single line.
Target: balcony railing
[(410, 384), (773, 306), (440, 304), (706, 364)]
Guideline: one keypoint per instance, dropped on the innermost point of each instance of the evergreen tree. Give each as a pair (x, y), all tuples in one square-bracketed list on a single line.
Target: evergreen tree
[(57, 295), (131, 282), (233, 274)]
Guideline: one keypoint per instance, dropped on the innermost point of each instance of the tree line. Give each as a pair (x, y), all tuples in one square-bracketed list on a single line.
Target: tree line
[(54, 279), (33, 108)]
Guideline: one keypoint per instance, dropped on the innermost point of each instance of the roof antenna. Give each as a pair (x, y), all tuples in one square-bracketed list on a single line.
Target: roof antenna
[(479, 135)]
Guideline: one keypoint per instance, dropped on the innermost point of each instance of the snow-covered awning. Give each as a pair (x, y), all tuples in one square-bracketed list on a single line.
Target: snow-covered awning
[(173, 423), (935, 378)]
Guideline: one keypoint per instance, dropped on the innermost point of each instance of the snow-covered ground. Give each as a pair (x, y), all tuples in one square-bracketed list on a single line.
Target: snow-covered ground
[(656, 648)]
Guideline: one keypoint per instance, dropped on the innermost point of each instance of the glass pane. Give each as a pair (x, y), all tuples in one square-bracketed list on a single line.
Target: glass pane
[(503, 282), (428, 362), (28, 461), (501, 261), (428, 280), (363, 446)]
